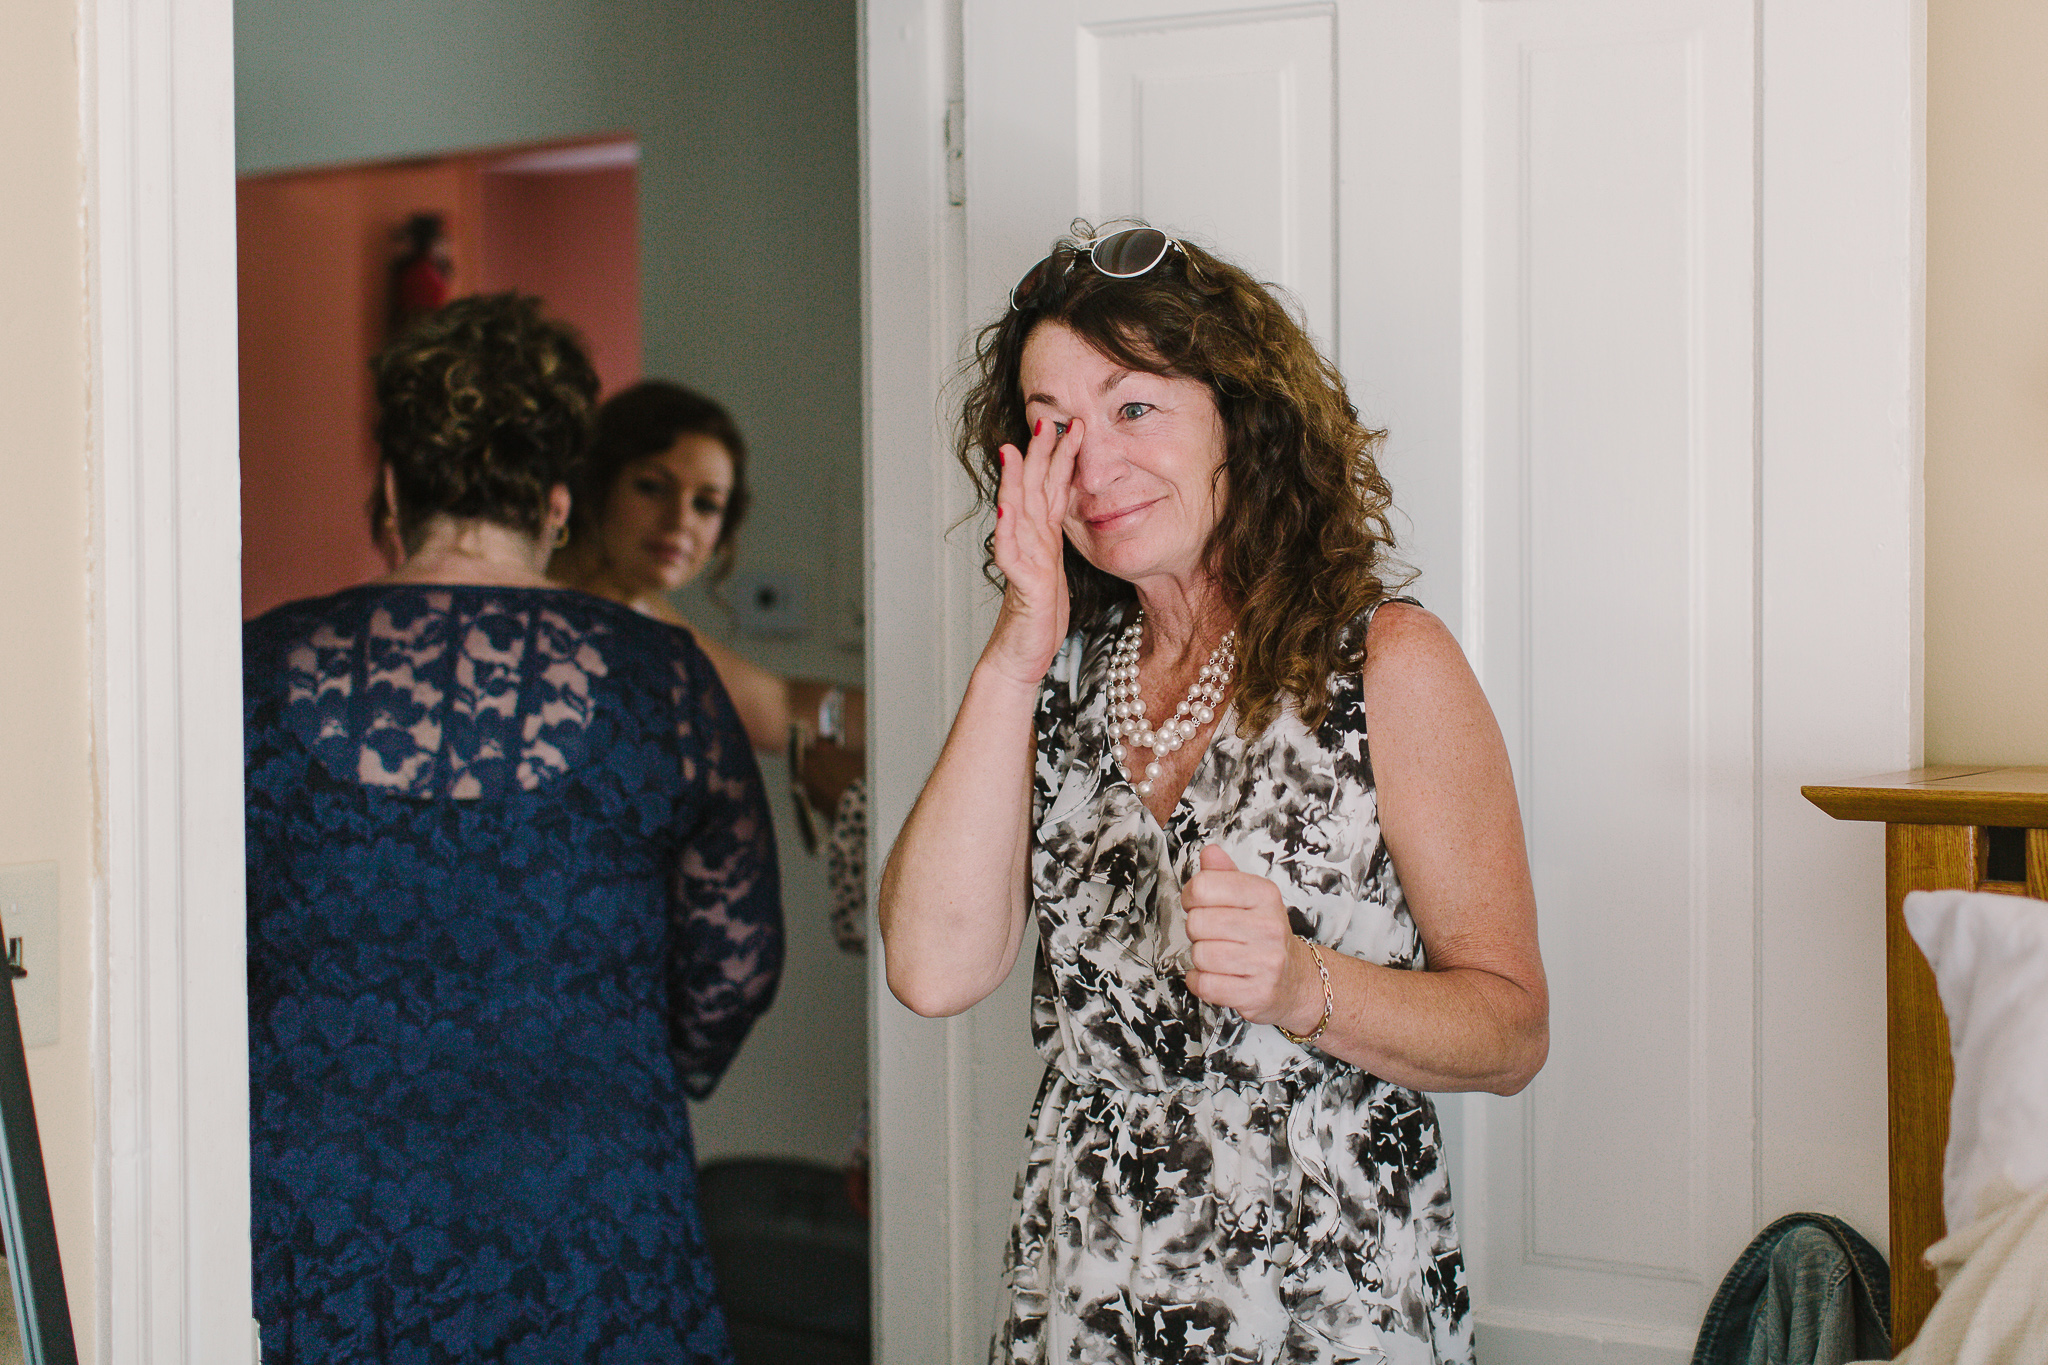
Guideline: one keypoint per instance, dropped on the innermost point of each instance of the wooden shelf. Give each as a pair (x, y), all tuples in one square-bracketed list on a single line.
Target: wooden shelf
[(1951, 794)]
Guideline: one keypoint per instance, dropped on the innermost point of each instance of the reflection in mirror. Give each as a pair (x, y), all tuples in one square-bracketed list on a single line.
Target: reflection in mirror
[(39, 1329), (735, 272)]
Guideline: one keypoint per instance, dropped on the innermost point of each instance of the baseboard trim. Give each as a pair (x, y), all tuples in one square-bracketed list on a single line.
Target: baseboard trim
[(1511, 1338)]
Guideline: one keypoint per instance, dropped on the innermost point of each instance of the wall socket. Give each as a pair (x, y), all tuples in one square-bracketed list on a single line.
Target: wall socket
[(28, 912), (768, 604)]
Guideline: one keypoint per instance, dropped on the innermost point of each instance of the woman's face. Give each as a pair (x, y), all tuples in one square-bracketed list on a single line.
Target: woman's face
[(1146, 493), (664, 513)]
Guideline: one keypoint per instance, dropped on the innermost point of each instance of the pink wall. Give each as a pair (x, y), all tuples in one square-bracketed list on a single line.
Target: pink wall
[(574, 239), (314, 246)]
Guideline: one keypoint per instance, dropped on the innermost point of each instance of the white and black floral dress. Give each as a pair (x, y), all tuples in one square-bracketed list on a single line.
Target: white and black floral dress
[(1198, 1188)]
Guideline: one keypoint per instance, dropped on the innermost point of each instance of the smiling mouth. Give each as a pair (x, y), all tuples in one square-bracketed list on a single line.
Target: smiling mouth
[(1109, 520)]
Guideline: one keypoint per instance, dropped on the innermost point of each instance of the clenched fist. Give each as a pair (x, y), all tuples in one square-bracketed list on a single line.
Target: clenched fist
[(1244, 954)]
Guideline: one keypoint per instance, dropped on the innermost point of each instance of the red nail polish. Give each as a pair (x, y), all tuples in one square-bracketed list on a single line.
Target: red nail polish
[(1038, 426), (999, 511)]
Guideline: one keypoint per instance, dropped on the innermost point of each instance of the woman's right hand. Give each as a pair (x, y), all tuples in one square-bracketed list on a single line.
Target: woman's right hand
[(1033, 497), (953, 899)]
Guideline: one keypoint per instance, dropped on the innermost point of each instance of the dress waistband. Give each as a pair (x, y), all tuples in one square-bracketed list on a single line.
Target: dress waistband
[(1287, 1087)]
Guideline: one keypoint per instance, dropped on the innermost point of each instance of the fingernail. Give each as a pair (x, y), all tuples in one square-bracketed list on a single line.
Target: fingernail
[(999, 511), (1038, 426), (1003, 458)]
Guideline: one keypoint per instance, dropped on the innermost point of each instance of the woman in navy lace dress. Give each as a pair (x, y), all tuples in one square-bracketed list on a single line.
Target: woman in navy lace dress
[(512, 897)]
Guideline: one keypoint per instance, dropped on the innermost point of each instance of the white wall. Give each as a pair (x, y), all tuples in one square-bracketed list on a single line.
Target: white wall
[(750, 284)]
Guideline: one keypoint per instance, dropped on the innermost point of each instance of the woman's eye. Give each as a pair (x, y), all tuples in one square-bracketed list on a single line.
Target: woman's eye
[(707, 506), (1060, 428), (649, 487), (1131, 412)]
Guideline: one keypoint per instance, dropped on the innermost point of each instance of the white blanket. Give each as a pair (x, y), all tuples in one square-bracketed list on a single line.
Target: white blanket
[(1993, 1308)]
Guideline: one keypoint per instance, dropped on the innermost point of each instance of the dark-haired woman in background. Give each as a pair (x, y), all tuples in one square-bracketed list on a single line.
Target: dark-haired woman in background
[(1260, 937), (663, 495), (512, 896)]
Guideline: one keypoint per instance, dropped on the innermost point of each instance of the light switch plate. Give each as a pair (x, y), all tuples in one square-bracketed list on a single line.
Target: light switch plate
[(768, 604), (28, 911)]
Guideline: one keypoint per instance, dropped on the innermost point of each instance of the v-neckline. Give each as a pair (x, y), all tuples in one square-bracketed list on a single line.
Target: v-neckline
[(1118, 775), (1099, 688)]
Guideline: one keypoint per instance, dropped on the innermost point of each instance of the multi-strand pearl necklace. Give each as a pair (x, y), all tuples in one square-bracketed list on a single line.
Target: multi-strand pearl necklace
[(1127, 725)]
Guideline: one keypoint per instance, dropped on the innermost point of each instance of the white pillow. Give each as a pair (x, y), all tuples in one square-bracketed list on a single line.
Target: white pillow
[(1990, 959)]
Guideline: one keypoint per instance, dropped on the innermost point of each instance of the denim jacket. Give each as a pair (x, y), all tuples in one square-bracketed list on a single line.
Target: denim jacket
[(1809, 1290)]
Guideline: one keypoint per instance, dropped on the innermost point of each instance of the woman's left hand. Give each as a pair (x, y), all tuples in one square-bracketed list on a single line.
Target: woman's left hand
[(1244, 954)]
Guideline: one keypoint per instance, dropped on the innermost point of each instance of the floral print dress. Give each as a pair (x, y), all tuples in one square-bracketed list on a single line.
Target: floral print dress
[(1197, 1188), (512, 898)]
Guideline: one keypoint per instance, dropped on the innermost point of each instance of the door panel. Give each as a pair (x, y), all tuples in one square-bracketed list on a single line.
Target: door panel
[(1551, 307), (1617, 606), (1224, 127)]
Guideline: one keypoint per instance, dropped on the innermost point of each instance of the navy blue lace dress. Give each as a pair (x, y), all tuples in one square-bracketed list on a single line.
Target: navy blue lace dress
[(512, 896)]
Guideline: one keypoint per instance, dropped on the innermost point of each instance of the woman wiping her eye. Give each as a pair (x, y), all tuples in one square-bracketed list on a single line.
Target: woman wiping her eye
[(1262, 815)]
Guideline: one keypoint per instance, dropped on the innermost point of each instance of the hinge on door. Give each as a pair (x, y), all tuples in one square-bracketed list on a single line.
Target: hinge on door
[(956, 153)]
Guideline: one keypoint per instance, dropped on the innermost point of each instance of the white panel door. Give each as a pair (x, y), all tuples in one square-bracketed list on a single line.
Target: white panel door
[(1225, 128)]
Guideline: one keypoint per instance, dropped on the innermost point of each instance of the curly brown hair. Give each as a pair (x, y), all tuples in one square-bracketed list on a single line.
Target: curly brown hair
[(647, 419), (1303, 543), (482, 407)]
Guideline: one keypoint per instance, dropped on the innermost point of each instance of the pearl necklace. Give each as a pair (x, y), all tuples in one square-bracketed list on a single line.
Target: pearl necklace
[(1127, 726)]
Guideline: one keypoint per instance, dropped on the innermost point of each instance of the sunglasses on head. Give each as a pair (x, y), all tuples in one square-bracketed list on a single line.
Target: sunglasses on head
[(1122, 255)]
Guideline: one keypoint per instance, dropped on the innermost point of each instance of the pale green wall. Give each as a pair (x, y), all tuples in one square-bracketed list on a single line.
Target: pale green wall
[(750, 237)]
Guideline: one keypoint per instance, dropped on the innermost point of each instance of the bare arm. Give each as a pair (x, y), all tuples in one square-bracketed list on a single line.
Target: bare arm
[(954, 895), (1478, 1017)]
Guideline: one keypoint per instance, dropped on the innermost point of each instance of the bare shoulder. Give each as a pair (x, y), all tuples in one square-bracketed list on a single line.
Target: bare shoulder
[(1409, 646), (1422, 700)]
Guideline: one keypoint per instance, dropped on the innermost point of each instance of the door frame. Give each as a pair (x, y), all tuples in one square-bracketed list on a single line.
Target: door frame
[(921, 613), (171, 1278)]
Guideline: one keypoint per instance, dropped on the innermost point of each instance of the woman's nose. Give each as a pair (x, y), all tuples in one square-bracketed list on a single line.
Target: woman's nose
[(1096, 464)]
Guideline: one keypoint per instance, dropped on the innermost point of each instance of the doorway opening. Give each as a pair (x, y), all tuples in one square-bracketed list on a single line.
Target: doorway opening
[(332, 260)]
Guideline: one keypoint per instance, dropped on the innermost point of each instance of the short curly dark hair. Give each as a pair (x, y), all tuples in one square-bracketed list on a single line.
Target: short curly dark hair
[(645, 420), (1303, 544), (482, 406)]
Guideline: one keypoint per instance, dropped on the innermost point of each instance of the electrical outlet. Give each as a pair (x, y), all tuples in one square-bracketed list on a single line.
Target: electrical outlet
[(768, 604), (28, 912)]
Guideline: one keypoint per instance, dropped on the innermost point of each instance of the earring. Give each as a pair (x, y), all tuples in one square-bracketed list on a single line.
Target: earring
[(561, 535)]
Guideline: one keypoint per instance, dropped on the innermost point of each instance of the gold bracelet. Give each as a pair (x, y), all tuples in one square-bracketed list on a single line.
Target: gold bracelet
[(1329, 1002)]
